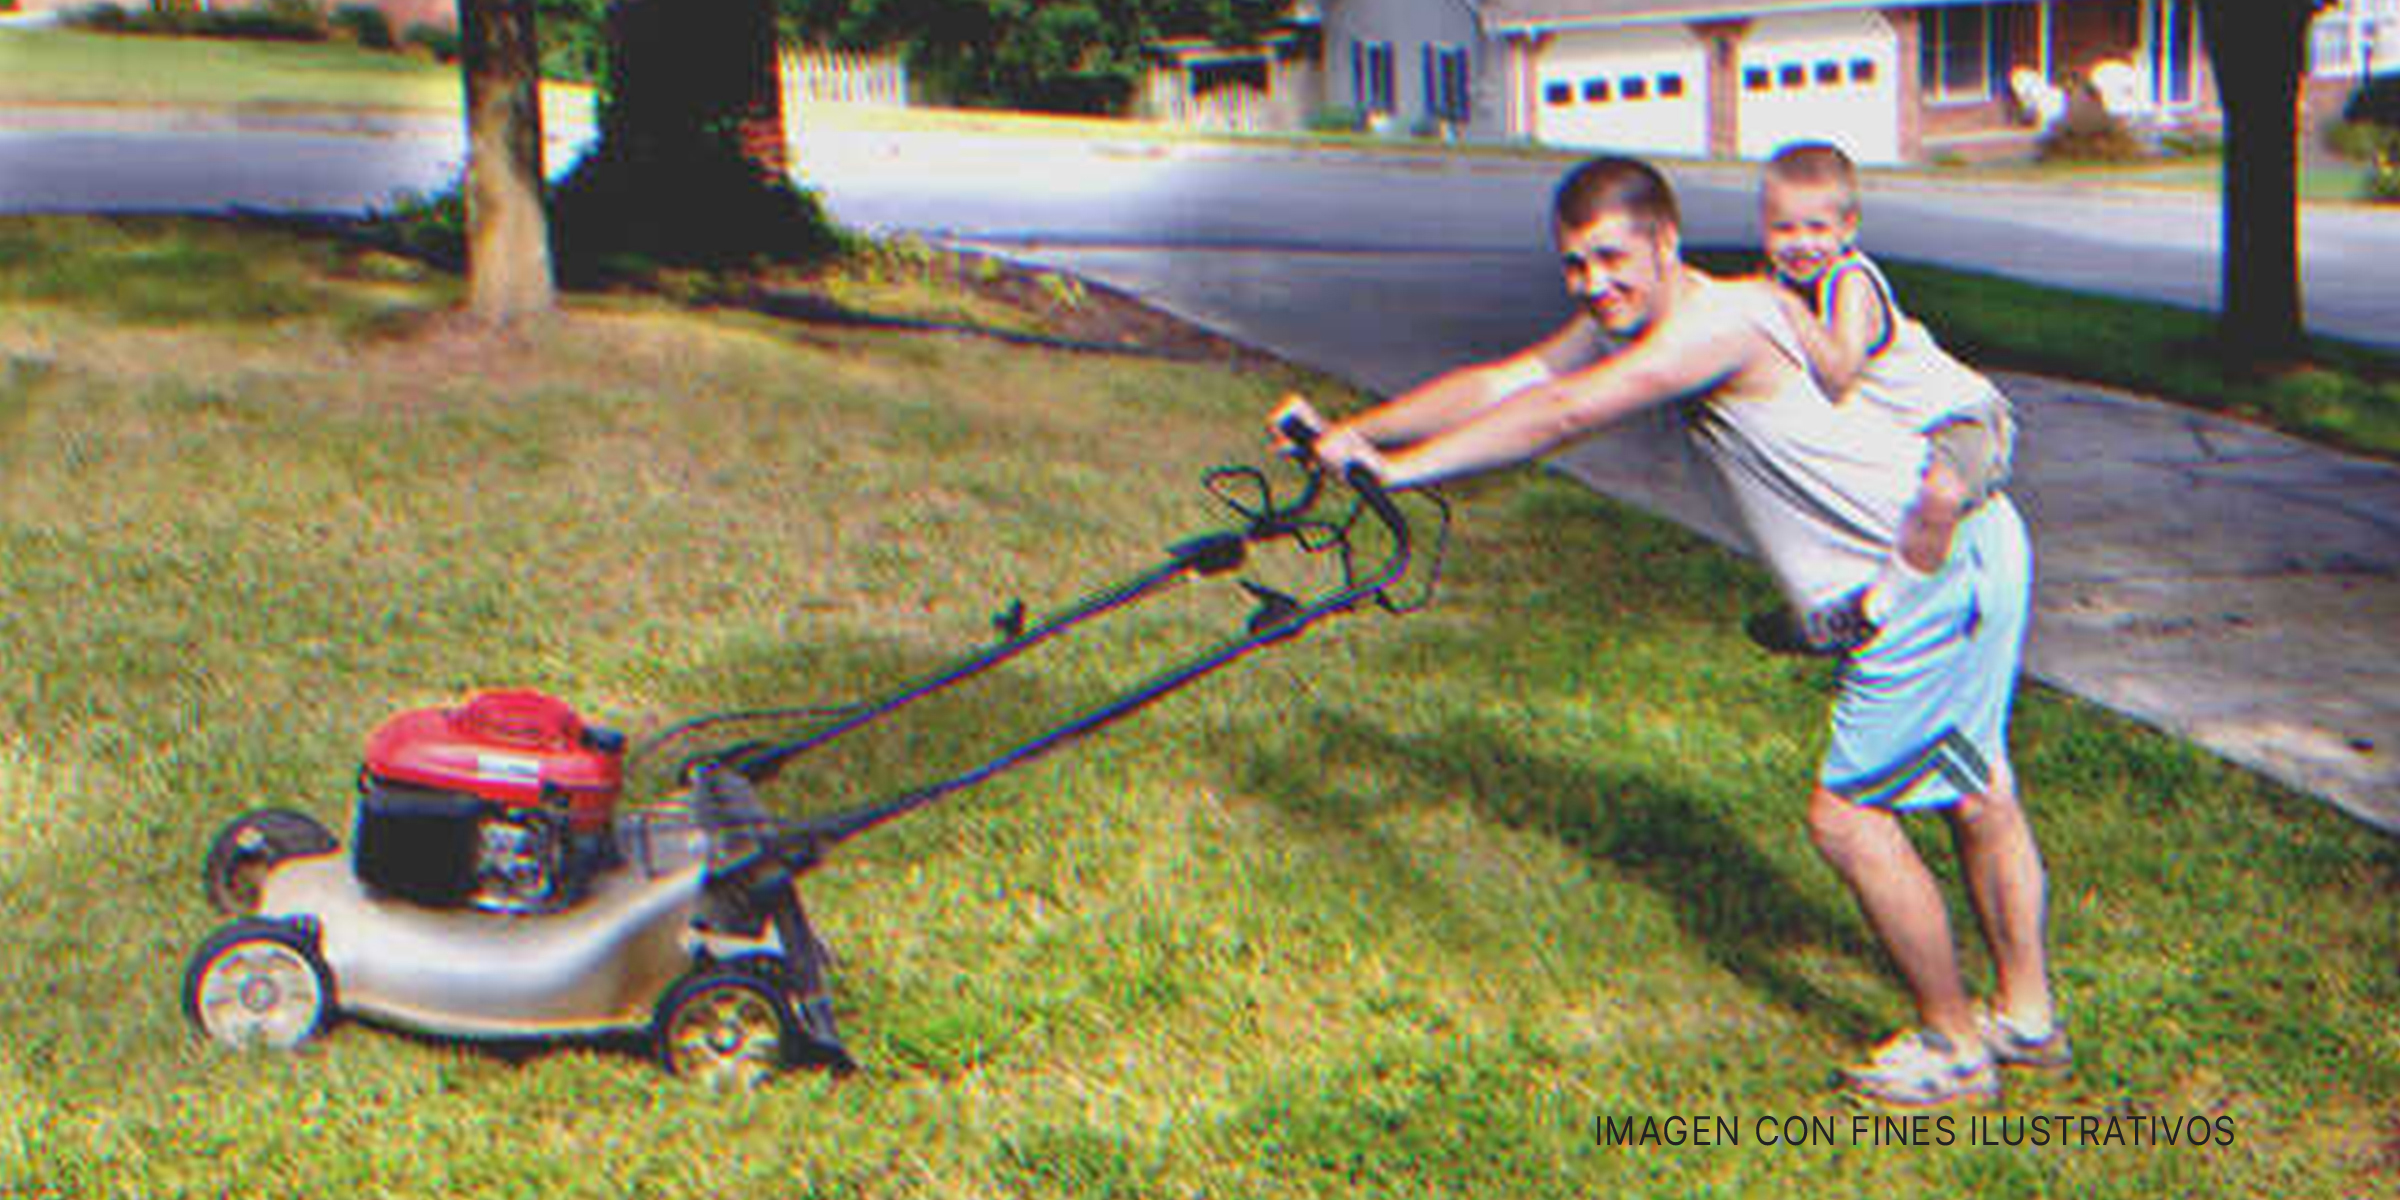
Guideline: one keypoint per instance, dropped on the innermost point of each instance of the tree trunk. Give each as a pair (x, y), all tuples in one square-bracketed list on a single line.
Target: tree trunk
[(2257, 48), (681, 71), (508, 235), (691, 170)]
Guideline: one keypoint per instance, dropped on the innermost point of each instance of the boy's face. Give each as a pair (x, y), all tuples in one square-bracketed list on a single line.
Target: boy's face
[(1808, 226), (1618, 268)]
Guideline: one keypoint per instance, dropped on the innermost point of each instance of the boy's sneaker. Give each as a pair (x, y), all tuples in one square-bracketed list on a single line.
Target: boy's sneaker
[(2010, 1047), (1922, 1069)]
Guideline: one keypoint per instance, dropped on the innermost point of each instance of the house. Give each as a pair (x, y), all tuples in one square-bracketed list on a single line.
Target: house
[(2355, 39), (1272, 85), (1737, 78)]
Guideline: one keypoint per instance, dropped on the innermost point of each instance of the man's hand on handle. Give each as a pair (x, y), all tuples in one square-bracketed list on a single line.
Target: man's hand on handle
[(1299, 428)]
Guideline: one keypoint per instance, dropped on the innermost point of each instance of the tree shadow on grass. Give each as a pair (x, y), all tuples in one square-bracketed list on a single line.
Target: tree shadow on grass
[(1736, 904)]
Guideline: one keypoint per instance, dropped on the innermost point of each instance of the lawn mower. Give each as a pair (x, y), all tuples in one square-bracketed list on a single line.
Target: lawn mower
[(495, 888)]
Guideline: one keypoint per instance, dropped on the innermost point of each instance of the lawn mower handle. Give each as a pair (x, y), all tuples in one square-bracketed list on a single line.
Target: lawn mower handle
[(800, 845), (1301, 425)]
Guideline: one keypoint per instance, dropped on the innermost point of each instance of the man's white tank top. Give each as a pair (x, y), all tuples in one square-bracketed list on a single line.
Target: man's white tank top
[(1819, 488)]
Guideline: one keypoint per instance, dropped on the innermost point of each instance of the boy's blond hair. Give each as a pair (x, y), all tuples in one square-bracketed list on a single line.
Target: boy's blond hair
[(1815, 164)]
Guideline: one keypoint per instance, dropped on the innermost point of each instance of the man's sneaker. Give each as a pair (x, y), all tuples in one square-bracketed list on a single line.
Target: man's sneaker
[(1836, 628), (1777, 631), (2010, 1047), (1922, 1069)]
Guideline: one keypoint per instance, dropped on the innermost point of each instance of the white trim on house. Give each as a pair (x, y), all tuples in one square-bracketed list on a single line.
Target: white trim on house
[(2355, 38), (2163, 21), (1535, 26)]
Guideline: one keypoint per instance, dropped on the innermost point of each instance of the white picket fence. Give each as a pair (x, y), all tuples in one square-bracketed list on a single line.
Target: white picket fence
[(813, 75)]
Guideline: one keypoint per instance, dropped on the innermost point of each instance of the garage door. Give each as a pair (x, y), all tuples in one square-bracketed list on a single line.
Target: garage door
[(1639, 91), (1831, 77)]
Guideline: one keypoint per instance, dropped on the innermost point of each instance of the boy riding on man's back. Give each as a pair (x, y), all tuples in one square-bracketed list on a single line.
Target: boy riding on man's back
[(1864, 350)]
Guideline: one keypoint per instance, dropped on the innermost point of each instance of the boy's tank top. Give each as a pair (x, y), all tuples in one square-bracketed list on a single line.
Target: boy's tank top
[(1909, 375)]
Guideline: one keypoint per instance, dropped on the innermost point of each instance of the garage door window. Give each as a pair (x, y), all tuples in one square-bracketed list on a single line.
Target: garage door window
[(1955, 54)]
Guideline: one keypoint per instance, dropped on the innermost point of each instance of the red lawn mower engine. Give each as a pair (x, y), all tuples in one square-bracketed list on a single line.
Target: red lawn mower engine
[(504, 803)]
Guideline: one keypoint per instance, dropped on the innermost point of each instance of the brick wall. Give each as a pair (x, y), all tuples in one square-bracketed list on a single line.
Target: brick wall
[(1907, 35), (2083, 35), (1723, 39)]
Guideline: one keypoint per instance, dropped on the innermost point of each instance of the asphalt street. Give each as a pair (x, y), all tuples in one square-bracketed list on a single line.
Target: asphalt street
[(2222, 582)]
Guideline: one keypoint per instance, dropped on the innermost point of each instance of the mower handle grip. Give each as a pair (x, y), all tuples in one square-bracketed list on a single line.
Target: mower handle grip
[(1301, 425), (1298, 422)]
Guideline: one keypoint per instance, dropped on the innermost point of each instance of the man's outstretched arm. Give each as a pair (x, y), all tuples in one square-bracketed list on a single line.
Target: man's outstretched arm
[(1697, 348), (1459, 396)]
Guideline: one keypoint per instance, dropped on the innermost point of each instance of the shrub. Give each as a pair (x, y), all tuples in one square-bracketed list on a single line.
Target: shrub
[(440, 41), (2376, 102), (365, 25), (2360, 141), (2383, 180), (2189, 144), (2089, 133), (1336, 118), (574, 36), (172, 16), (272, 21), (104, 17), (429, 227)]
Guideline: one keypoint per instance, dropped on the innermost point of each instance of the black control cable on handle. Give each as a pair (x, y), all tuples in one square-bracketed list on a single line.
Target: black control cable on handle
[(1299, 423)]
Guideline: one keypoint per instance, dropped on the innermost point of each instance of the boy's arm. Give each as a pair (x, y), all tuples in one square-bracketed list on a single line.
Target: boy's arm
[(1844, 337), (1855, 325), (1459, 396), (1694, 350)]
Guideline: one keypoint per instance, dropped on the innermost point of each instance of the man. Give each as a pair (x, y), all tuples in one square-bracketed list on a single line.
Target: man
[(1921, 719)]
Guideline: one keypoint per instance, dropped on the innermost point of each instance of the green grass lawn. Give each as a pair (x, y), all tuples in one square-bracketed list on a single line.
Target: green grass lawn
[(79, 67), (1405, 907), (2320, 182)]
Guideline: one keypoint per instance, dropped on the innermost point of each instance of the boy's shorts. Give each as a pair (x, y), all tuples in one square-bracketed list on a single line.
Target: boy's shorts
[(1921, 720), (1979, 445)]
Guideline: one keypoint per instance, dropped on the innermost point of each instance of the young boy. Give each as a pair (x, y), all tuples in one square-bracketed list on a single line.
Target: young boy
[(1864, 350)]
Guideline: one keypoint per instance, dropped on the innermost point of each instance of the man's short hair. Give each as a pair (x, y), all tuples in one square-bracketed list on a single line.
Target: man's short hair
[(1815, 164), (1614, 183)]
